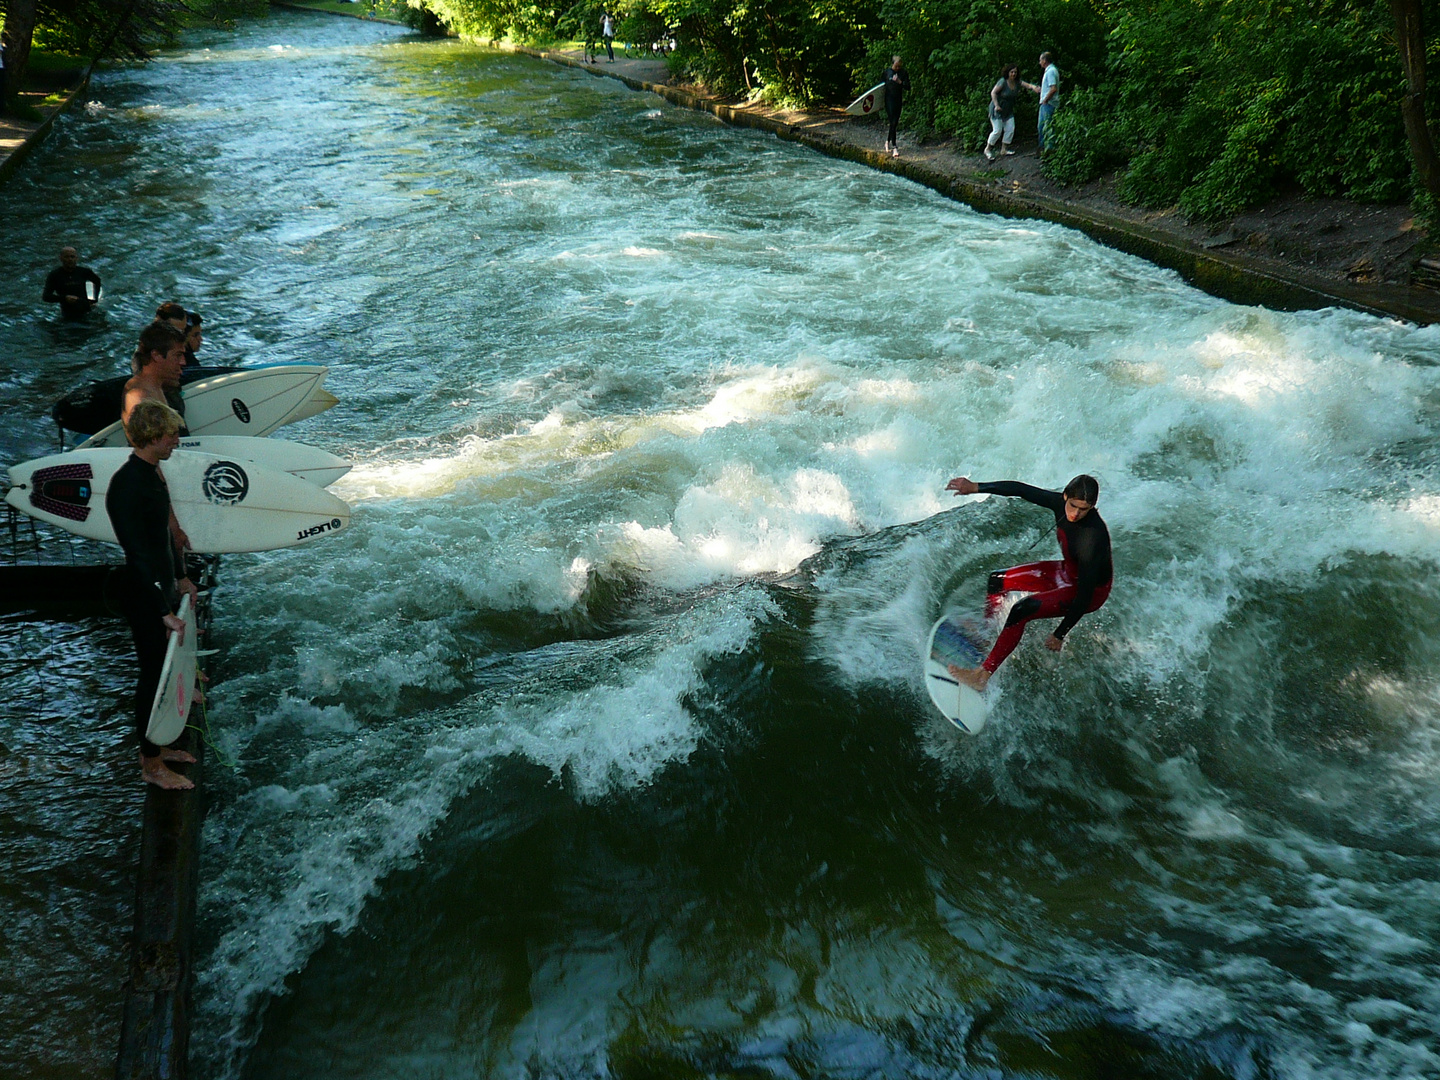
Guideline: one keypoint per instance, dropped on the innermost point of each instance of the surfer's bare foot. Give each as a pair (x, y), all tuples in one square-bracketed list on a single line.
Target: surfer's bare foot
[(975, 678), (153, 771), (182, 756)]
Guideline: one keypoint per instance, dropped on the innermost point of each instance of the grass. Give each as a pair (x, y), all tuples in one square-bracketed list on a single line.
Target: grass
[(43, 61)]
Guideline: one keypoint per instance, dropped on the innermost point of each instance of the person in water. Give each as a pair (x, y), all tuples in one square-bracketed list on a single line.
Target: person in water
[(138, 503), (67, 286), (1076, 585)]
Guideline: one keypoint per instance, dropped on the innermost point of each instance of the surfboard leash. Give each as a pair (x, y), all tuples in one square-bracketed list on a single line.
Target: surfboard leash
[(203, 729)]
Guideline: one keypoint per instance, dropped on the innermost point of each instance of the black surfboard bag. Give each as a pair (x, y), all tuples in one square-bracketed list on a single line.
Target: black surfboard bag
[(96, 405)]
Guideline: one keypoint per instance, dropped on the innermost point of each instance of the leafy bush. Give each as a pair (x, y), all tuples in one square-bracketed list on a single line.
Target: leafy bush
[(1206, 104)]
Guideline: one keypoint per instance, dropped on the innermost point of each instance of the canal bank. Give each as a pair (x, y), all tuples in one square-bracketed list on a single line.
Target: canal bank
[(1225, 261), (19, 137)]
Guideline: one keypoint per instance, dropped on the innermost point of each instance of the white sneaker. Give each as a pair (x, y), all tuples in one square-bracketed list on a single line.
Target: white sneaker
[(1008, 152), (989, 154)]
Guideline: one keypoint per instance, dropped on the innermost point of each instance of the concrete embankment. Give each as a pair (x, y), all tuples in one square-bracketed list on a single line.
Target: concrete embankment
[(19, 137)]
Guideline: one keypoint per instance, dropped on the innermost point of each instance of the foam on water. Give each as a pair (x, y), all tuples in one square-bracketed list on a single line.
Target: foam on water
[(671, 357)]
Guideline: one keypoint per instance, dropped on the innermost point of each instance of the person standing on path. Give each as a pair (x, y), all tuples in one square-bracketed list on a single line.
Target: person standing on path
[(607, 31), (74, 287), (1002, 110), (1065, 590), (1049, 91), (897, 81), (138, 503)]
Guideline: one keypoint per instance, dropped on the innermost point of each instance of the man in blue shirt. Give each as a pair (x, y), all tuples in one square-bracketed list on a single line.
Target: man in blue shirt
[(1049, 91)]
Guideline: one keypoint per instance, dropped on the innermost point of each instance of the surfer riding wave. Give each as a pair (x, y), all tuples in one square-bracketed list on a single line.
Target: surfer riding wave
[(1076, 585)]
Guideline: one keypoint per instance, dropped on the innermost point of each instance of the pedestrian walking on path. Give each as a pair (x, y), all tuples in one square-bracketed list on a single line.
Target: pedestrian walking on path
[(607, 31), (1002, 110)]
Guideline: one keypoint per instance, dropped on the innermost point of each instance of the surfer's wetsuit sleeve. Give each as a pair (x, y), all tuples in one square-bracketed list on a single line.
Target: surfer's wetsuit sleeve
[(139, 507), (1013, 489)]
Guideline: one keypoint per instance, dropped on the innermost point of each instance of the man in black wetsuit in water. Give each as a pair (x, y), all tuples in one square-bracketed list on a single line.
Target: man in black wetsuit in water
[(1065, 590), (67, 283), (138, 503)]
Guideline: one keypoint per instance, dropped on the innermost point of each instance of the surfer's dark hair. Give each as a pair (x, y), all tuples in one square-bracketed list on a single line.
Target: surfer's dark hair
[(150, 421), (157, 337), (170, 310), (1084, 487)]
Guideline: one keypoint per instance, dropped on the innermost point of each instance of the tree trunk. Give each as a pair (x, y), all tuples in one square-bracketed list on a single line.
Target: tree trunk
[(19, 29), (1410, 36)]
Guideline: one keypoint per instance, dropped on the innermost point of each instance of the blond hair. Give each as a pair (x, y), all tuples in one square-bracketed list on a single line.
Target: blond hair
[(150, 421)]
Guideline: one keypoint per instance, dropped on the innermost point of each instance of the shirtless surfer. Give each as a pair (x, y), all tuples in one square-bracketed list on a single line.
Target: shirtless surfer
[(1066, 590), (159, 358)]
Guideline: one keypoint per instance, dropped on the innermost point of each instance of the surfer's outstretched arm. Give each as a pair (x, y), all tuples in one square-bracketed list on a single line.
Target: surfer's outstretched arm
[(1013, 489)]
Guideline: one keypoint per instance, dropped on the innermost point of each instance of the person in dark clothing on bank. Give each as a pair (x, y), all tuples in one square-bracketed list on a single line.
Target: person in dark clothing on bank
[(74, 287), (1064, 590), (897, 81), (138, 503)]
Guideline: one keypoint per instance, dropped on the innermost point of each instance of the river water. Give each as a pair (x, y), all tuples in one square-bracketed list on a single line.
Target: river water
[(597, 746)]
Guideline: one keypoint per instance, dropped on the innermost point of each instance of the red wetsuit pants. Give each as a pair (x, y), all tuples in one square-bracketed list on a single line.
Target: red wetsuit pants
[(1051, 586)]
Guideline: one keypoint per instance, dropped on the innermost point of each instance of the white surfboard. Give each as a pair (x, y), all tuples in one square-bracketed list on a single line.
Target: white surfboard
[(251, 402), (310, 463), (956, 640), (176, 692), (223, 504), (868, 103)]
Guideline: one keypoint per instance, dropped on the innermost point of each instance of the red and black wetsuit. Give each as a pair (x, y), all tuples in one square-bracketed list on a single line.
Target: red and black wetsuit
[(1076, 585)]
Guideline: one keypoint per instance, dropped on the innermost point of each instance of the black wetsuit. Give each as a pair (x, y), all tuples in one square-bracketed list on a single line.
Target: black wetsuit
[(1065, 590), (138, 503), (70, 281), (896, 83)]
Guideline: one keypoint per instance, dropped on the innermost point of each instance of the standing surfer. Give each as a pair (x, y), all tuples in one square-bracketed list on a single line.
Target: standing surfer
[(1066, 590), (897, 81), (138, 503), (159, 358)]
